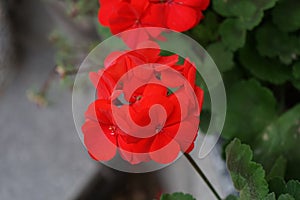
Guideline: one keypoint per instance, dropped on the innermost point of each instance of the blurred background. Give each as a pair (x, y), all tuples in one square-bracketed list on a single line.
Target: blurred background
[(41, 155)]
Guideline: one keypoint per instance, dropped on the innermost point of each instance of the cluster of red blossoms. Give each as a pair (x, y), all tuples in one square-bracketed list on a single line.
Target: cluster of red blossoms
[(126, 118), (177, 15)]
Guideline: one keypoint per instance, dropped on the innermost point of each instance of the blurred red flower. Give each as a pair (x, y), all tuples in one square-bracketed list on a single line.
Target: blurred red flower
[(139, 111)]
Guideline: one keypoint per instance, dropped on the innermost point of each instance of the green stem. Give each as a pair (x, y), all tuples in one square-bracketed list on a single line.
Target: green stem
[(202, 175)]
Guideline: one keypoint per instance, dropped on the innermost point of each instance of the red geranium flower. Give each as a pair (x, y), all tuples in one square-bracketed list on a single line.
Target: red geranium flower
[(178, 15), (138, 112)]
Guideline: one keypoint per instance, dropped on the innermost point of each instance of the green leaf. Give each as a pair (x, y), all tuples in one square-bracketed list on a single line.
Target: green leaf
[(286, 197), (281, 137), (207, 30), (296, 75), (250, 108), (281, 44), (296, 70), (249, 13), (222, 56), (270, 70), (270, 197), (234, 8), (277, 185), (232, 76), (296, 84), (265, 4), (232, 33), (278, 169), (253, 21), (222, 7), (177, 196), (286, 15), (293, 188), (248, 177), (103, 32)]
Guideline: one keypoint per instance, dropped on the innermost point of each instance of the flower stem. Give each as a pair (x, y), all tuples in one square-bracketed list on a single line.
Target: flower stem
[(202, 175)]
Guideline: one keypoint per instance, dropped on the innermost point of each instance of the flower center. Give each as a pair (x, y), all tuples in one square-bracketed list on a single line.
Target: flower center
[(112, 129), (139, 97)]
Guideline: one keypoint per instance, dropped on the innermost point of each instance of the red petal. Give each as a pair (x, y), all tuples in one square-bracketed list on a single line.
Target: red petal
[(168, 60), (135, 37), (154, 17), (140, 5), (100, 110), (204, 4), (97, 143), (107, 8), (187, 132), (193, 3), (94, 77), (166, 154), (200, 97), (124, 18), (113, 57), (148, 51), (172, 79), (138, 145), (181, 18), (134, 158)]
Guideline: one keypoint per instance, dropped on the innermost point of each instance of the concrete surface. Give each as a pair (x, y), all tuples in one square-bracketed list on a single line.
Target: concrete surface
[(41, 156), (182, 177)]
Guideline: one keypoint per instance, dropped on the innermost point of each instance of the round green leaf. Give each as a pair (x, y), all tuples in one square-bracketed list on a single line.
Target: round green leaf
[(286, 15), (270, 70), (222, 56), (233, 34), (250, 108)]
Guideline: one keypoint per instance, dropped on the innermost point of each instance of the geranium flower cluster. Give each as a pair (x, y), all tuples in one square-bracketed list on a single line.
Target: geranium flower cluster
[(177, 15), (147, 107)]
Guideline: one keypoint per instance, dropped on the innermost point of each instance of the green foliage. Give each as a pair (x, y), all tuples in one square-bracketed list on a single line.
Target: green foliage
[(270, 197), (103, 32), (293, 188), (281, 188), (177, 196), (248, 177), (278, 168), (207, 30), (296, 70), (286, 15), (233, 34), (281, 137), (286, 197), (222, 56), (265, 69), (251, 107), (281, 44)]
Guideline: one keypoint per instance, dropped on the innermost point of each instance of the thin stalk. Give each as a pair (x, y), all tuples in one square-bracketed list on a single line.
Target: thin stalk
[(202, 175)]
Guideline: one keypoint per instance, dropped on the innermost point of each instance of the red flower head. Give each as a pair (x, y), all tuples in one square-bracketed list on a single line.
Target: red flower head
[(140, 112), (178, 15)]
